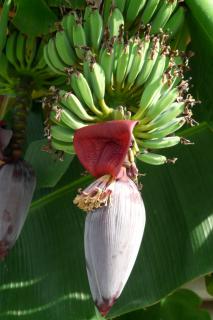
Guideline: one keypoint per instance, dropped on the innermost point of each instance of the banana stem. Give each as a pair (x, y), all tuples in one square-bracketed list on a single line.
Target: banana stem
[(106, 110), (21, 105)]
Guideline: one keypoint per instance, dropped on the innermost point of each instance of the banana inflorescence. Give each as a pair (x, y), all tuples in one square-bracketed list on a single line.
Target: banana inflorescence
[(88, 30), (23, 58), (115, 76)]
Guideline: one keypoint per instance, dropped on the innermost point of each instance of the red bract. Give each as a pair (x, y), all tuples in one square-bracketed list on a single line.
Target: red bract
[(101, 148)]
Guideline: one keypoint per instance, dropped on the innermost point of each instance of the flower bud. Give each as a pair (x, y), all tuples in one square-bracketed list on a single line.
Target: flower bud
[(112, 239), (17, 184)]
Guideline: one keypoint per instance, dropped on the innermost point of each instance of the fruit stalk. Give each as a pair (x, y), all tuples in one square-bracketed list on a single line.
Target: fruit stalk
[(21, 105)]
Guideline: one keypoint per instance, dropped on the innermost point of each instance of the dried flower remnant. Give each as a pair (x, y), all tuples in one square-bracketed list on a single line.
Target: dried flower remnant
[(95, 195), (17, 184)]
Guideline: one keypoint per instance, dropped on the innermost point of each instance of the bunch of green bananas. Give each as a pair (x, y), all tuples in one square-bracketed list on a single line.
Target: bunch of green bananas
[(160, 14), (112, 76), (143, 77), (70, 46), (21, 59), (88, 30)]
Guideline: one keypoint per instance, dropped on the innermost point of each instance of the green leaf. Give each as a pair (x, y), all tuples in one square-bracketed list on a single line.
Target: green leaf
[(48, 168), (185, 305), (182, 304), (44, 277), (201, 66), (202, 11), (209, 283), (34, 17), (3, 23)]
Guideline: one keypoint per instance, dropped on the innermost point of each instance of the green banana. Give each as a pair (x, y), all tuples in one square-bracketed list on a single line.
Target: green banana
[(79, 40), (39, 61), (86, 23), (163, 131), (133, 10), (85, 91), (20, 50), (106, 61), (115, 22), (30, 51), (74, 87), (54, 118), (152, 158), (62, 146), (11, 50), (71, 102), (150, 95), (98, 80), (122, 64), (54, 56), (68, 22), (149, 11), (150, 60), (118, 47), (175, 22), (165, 117), (133, 47), (96, 29), (97, 77), (166, 100), (163, 15), (49, 62), (64, 48), (158, 68), (137, 63), (61, 133), (160, 143), (86, 70), (68, 118)]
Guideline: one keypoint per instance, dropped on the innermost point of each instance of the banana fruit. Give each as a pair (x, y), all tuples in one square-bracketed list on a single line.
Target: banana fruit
[(66, 147), (61, 133), (161, 143), (120, 71), (152, 158), (115, 22), (23, 61)]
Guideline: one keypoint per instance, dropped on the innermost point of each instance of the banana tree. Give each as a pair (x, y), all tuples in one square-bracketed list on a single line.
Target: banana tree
[(122, 90)]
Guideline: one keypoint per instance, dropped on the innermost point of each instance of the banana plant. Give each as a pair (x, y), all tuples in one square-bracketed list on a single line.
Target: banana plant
[(106, 105)]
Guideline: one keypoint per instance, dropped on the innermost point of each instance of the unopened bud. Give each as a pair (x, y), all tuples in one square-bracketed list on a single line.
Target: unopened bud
[(17, 184), (112, 239)]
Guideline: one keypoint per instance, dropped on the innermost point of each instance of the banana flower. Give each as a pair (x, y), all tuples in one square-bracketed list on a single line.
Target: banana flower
[(17, 184), (115, 221)]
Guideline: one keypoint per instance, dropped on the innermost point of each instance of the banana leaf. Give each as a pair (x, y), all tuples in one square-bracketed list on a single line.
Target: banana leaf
[(44, 277)]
